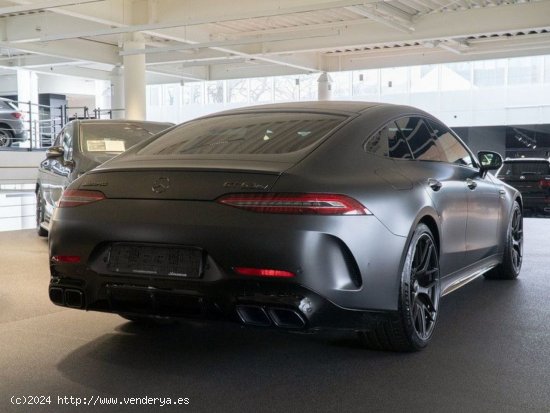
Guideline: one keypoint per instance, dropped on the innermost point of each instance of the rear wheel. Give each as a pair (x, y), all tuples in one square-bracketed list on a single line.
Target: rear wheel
[(40, 214), (412, 327), (6, 138), (513, 251)]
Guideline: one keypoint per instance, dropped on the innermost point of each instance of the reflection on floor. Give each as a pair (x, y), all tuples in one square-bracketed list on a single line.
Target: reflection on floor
[(17, 206)]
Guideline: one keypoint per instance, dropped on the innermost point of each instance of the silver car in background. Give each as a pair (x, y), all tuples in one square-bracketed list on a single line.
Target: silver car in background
[(12, 124), (79, 147)]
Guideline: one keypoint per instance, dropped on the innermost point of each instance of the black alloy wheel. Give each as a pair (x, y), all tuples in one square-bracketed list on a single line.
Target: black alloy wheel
[(424, 286), (412, 327), (512, 259)]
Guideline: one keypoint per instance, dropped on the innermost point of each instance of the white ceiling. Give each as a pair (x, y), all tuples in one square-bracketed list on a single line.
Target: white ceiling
[(220, 39)]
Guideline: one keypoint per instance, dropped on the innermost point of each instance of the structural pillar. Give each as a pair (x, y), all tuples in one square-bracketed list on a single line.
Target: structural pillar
[(134, 79), (117, 93), (27, 95), (324, 87)]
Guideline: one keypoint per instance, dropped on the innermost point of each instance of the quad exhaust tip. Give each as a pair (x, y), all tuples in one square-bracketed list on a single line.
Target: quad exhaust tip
[(67, 297), (256, 315)]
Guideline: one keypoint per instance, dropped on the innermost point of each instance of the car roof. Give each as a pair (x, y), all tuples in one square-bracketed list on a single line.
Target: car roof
[(342, 107)]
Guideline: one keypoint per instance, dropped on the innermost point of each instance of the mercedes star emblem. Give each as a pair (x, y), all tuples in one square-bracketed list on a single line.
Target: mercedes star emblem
[(161, 185)]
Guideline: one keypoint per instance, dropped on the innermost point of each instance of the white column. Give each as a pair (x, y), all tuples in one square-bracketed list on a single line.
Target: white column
[(27, 91), (117, 92), (324, 87), (134, 79)]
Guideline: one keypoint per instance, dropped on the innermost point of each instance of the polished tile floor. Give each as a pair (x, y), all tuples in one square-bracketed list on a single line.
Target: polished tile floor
[(491, 352)]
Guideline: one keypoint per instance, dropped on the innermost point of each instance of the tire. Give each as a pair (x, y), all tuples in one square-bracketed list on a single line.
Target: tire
[(40, 215), (412, 327), (512, 259), (6, 138)]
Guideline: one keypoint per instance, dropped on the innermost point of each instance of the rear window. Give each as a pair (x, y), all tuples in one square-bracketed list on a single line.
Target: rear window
[(525, 168), (245, 134), (115, 137), (5, 105)]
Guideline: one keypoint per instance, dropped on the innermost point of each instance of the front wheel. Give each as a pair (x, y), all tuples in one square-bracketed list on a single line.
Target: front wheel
[(412, 327), (513, 250)]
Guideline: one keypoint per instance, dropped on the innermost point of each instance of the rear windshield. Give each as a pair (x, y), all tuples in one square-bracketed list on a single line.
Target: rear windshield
[(115, 137), (5, 105), (245, 134), (525, 168)]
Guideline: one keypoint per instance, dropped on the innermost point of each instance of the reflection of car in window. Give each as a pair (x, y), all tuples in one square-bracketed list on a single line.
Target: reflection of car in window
[(530, 176), (79, 147)]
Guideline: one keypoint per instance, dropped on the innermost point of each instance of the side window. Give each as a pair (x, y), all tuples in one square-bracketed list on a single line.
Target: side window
[(388, 142), (420, 139), (67, 142), (451, 147), (58, 139)]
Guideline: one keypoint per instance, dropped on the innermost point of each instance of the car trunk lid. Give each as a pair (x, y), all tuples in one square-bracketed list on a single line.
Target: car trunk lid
[(181, 183)]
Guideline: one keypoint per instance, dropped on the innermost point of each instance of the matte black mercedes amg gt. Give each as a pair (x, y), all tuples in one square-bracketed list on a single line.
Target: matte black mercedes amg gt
[(307, 216)]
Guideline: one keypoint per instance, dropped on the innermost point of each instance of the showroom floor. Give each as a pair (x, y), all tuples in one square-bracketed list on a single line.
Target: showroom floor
[(491, 352)]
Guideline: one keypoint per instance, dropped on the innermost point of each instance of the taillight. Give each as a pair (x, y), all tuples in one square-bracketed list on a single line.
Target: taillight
[(16, 115), (544, 183), (300, 204), (263, 272), (74, 197), (66, 259)]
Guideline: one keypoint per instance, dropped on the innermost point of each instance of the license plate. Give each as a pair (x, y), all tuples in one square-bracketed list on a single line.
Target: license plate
[(155, 260)]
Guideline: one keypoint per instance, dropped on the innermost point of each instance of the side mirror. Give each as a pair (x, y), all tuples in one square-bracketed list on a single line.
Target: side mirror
[(489, 161), (54, 152)]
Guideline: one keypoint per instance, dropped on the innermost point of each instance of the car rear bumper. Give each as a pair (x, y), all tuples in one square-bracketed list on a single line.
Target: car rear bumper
[(253, 303), (348, 264)]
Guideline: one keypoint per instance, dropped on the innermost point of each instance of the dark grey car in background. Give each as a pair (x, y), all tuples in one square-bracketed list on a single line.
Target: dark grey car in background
[(79, 147), (316, 215), (530, 176)]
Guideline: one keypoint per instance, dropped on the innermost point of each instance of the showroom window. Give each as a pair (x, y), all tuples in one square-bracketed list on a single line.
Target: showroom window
[(420, 139), (193, 93), (524, 70), (456, 76), (395, 80), (490, 73), (546, 69), (388, 142), (237, 91), (424, 78), (340, 85), (261, 90), (287, 89), (365, 82), (214, 92)]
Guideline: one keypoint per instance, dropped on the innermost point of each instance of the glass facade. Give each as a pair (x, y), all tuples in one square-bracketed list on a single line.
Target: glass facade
[(489, 92)]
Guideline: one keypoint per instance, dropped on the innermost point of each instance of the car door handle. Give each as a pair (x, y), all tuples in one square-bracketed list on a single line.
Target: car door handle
[(434, 184), (471, 184)]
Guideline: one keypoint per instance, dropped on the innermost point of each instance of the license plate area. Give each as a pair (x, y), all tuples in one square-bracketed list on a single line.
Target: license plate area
[(155, 260)]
